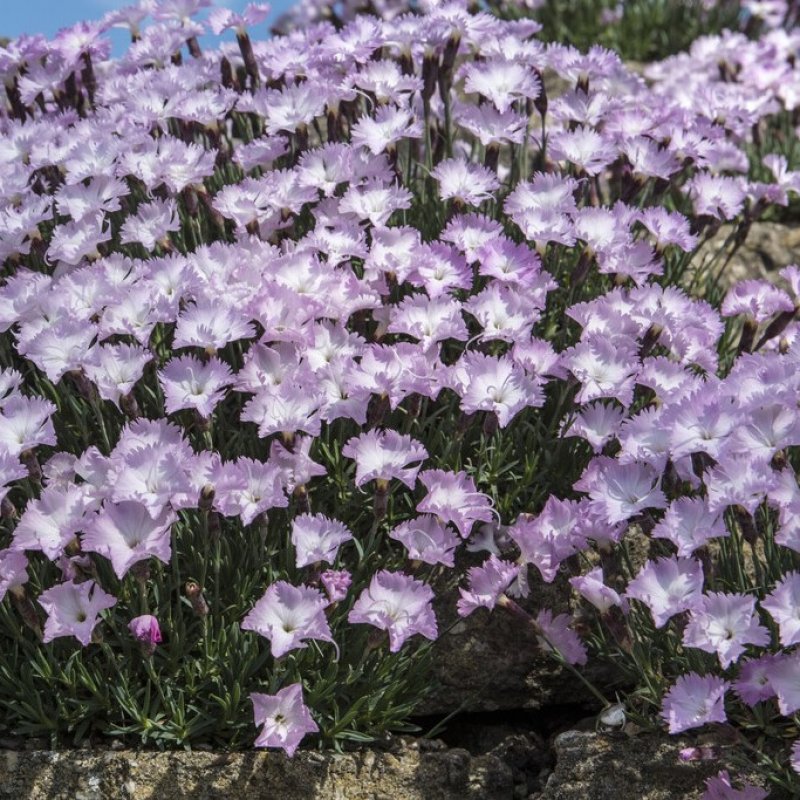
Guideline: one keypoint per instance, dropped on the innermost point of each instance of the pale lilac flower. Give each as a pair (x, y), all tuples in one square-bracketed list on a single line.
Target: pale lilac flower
[(694, 700), (764, 431), (336, 583), (13, 570), (583, 147), (557, 635), (492, 384), (597, 423), (738, 481), (399, 604), (592, 587), (506, 311), (385, 129), (795, 757), (211, 325), (222, 19), (427, 540), (145, 629), (151, 224), (375, 202), (758, 300), (125, 533), (115, 368), (285, 720), (501, 81), (547, 539), (289, 408), (689, 525), (784, 676), (719, 787), (620, 491), (486, 584), (429, 320), (72, 610), (297, 468), (783, 604), (668, 586), (460, 180), (383, 455), (50, 522), (317, 538), (452, 497), (288, 615), (190, 383), (753, 683), (11, 469), (26, 422), (718, 196), (439, 269), (247, 488), (723, 624), (605, 366), (71, 242)]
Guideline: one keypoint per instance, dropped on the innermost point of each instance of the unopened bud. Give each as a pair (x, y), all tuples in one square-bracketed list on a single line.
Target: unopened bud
[(194, 592)]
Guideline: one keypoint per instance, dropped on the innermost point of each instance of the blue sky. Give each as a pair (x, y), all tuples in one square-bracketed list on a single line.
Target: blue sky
[(48, 16)]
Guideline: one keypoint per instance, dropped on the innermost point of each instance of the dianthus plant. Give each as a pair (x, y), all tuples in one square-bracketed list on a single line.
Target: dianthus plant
[(301, 336)]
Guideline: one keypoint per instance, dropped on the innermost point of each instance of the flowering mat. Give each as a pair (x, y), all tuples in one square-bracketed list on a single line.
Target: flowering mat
[(317, 346)]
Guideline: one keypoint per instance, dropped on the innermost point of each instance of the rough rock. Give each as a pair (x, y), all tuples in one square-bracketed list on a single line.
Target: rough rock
[(492, 661), (410, 772), (591, 766), (768, 248), (588, 766)]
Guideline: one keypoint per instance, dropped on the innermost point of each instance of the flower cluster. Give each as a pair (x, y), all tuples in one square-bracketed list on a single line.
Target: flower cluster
[(244, 289)]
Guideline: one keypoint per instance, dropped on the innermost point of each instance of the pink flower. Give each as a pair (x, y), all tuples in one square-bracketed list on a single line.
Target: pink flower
[(783, 604), (317, 538), (494, 384), (284, 717), (399, 604), (753, 684), (336, 583), (583, 147), (247, 488), (427, 540), (719, 787), (145, 629), (620, 491), (688, 524), (287, 615), (693, 701), (557, 635), (725, 623), (383, 455), (152, 224), (501, 81), (784, 676), (668, 586), (461, 180), (126, 533), (13, 570), (190, 383), (486, 584), (546, 540), (717, 196), (604, 365), (72, 610), (592, 588), (51, 522), (25, 423), (452, 497)]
